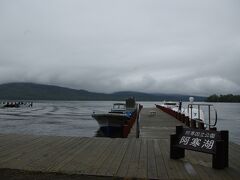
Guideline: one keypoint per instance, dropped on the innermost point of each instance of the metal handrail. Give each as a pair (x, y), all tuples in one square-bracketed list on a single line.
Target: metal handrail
[(190, 106), (137, 123)]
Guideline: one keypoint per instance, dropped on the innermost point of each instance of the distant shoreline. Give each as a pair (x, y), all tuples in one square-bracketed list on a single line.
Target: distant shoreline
[(229, 98), (32, 92)]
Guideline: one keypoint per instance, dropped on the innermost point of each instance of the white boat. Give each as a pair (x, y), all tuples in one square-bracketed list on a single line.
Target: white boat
[(170, 104), (173, 105), (117, 122), (117, 117), (119, 114), (191, 111)]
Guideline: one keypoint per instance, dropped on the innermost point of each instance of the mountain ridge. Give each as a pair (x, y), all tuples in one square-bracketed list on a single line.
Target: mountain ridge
[(33, 91)]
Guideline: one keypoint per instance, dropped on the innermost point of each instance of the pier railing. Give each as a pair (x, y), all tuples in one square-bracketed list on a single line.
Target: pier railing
[(189, 121), (211, 124)]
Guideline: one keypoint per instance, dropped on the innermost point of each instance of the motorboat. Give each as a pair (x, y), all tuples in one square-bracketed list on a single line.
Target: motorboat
[(170, 104), (121, 114), (115, 118)]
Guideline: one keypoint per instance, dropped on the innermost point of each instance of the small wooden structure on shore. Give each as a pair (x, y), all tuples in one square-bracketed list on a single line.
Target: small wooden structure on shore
[(145, 157)]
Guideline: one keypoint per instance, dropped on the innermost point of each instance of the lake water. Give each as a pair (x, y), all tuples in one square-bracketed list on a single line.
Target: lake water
[(73, 118)]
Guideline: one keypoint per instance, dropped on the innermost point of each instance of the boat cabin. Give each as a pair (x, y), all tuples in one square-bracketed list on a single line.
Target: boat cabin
[(118, 108)]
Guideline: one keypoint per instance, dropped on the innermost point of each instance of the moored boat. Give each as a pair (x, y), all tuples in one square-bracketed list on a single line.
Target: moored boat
[(190, 111), (195, 115), (120, 116)]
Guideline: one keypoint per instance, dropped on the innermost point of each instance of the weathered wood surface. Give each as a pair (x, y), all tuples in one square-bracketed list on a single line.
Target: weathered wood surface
[(155, 126), (146, 157)]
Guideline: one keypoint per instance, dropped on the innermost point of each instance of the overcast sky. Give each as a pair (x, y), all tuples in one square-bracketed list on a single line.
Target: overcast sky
[(172, 46)]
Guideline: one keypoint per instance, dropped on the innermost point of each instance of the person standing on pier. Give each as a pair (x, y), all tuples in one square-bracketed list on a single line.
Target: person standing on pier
[(180, 106)]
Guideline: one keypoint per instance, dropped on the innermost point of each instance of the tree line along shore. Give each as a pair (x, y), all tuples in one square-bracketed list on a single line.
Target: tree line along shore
[(223, 98)]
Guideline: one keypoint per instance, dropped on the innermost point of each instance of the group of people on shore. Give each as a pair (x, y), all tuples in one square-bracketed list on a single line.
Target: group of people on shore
[(13, 104)]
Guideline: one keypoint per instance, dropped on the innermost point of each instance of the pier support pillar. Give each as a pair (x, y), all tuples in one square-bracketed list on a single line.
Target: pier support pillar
[(175, 152), (187, 122), (193, 124), (201, 125)]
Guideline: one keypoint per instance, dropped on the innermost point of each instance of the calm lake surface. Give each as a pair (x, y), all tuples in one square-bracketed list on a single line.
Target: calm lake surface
[(73, 118)]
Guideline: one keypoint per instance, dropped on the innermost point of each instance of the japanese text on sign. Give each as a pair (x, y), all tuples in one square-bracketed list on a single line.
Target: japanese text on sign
[(196, 139)]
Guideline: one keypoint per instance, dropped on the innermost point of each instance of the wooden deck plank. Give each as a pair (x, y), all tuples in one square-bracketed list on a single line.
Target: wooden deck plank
[(80, 144), (235, 146), (152, 166), (105, 168), (74, 163), (210, 173), (100, 156), (133, 163), (11, 141), (161, 168), (117, 159), (235, 151), (29, 154), (123, 168), (173, 172), (79, 163), (18, 151), (64, 155), (159, 126), (199, 164), (54, 155), (95, 155), (142, 163), (42, 156), (233, 173), (234, 156), (147, 157), (89, 162), (90, 156)]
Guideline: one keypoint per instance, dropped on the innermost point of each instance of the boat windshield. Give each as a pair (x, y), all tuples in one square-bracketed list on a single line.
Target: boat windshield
[(119, 106), (170, 103)]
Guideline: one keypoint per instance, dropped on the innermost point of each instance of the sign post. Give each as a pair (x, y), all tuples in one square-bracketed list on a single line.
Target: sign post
[(211, 142)]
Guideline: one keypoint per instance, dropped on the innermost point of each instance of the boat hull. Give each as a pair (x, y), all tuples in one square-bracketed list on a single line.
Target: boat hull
[(111, 119), (119, 121), (114, 124)]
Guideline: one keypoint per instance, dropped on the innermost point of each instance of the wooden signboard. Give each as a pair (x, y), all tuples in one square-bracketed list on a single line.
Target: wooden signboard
[(198, 140), (211, 142)]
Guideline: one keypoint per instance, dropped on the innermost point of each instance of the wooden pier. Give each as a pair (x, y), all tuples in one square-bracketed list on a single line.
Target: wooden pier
[(52, 157)]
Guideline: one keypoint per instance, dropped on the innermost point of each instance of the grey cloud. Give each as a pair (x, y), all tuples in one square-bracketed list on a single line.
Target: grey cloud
[(152, 46)]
